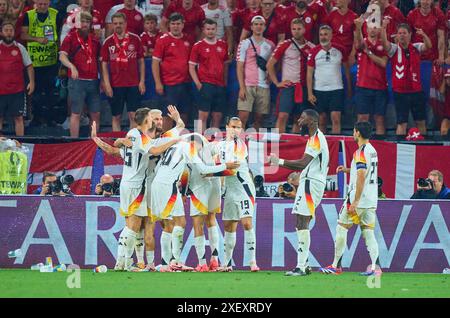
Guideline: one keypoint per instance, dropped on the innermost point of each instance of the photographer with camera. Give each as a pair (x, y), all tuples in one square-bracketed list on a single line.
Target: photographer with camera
[(107, 186), (288, 189), (432, 187), (53, 185)]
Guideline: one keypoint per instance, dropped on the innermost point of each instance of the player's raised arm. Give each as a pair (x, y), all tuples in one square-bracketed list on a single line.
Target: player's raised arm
[(299, 164), (175, 115), (123, 142), (110, 150)]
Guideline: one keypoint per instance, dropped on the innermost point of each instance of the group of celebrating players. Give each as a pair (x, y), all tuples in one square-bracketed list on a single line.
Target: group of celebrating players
[(162, 168)]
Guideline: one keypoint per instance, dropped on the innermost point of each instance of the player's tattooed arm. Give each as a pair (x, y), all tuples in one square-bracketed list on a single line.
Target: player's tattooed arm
[(299, 164), (158, 150)]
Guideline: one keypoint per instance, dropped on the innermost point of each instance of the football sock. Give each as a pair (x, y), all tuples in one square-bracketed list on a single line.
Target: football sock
[(139, 248), (150, 257), (177, 242), (130, 241), (304, 240), (372, 246), (121, 247), (230, 242), (339, 244), (250, 245), (200, 249), (166, 247), (213, 236)]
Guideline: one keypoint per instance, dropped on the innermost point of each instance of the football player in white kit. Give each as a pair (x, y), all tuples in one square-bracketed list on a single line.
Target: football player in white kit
[(160, 139), (361, 202), (239, 200), (205, 195), (166, 198), (314, 166)]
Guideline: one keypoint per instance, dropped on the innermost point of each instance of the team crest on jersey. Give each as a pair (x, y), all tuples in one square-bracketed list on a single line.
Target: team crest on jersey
[(14, 52), (380, 48), (137, 17), (186, 43), (172, 44), (219, 49), (308, 20), (131, 47), (207, 50)]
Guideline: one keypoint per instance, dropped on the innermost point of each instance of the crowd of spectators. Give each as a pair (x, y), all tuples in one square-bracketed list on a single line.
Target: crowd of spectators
[(298, 53)]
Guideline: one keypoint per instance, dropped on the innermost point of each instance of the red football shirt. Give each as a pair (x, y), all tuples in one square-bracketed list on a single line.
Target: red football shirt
[(343, 27), (123, 75), (71, 45), (173, 54), (293, 60), (276, 25), (308, 18), (319, 10), (370, 75), (135, 21), (149, 40), (13, 59), (193, 18), (103, 6), (430, 23), (210, 59), (406, 70)]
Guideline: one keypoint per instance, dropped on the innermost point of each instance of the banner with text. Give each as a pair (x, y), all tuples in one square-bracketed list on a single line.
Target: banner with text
[(412, 235)]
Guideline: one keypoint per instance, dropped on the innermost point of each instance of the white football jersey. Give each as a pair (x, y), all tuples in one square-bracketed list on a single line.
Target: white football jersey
[(317, 169), (136, 157), (365, 158), (234, 151), (153, 160), (172, 164), (196, 178)]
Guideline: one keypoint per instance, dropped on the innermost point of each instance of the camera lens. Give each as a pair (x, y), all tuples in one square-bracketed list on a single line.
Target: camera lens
[(287, 187)]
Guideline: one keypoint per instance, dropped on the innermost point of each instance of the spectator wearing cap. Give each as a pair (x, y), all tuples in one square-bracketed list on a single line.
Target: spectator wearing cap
[(292, 54), (406, 76), (274, 22), (324, 80), (79, 52), (254, 91), (193, 16), (371, 94), (135, 19), (445, 90)]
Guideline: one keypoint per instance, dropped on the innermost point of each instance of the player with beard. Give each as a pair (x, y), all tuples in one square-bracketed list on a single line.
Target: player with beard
[(13, 59), (79, 52), (147, 229), (314, 164)]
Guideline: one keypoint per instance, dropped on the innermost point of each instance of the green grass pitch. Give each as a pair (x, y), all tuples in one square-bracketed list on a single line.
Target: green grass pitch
[(238, 284)]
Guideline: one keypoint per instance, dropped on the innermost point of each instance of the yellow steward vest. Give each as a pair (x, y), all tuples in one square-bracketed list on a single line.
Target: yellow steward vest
[(43, 54)]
